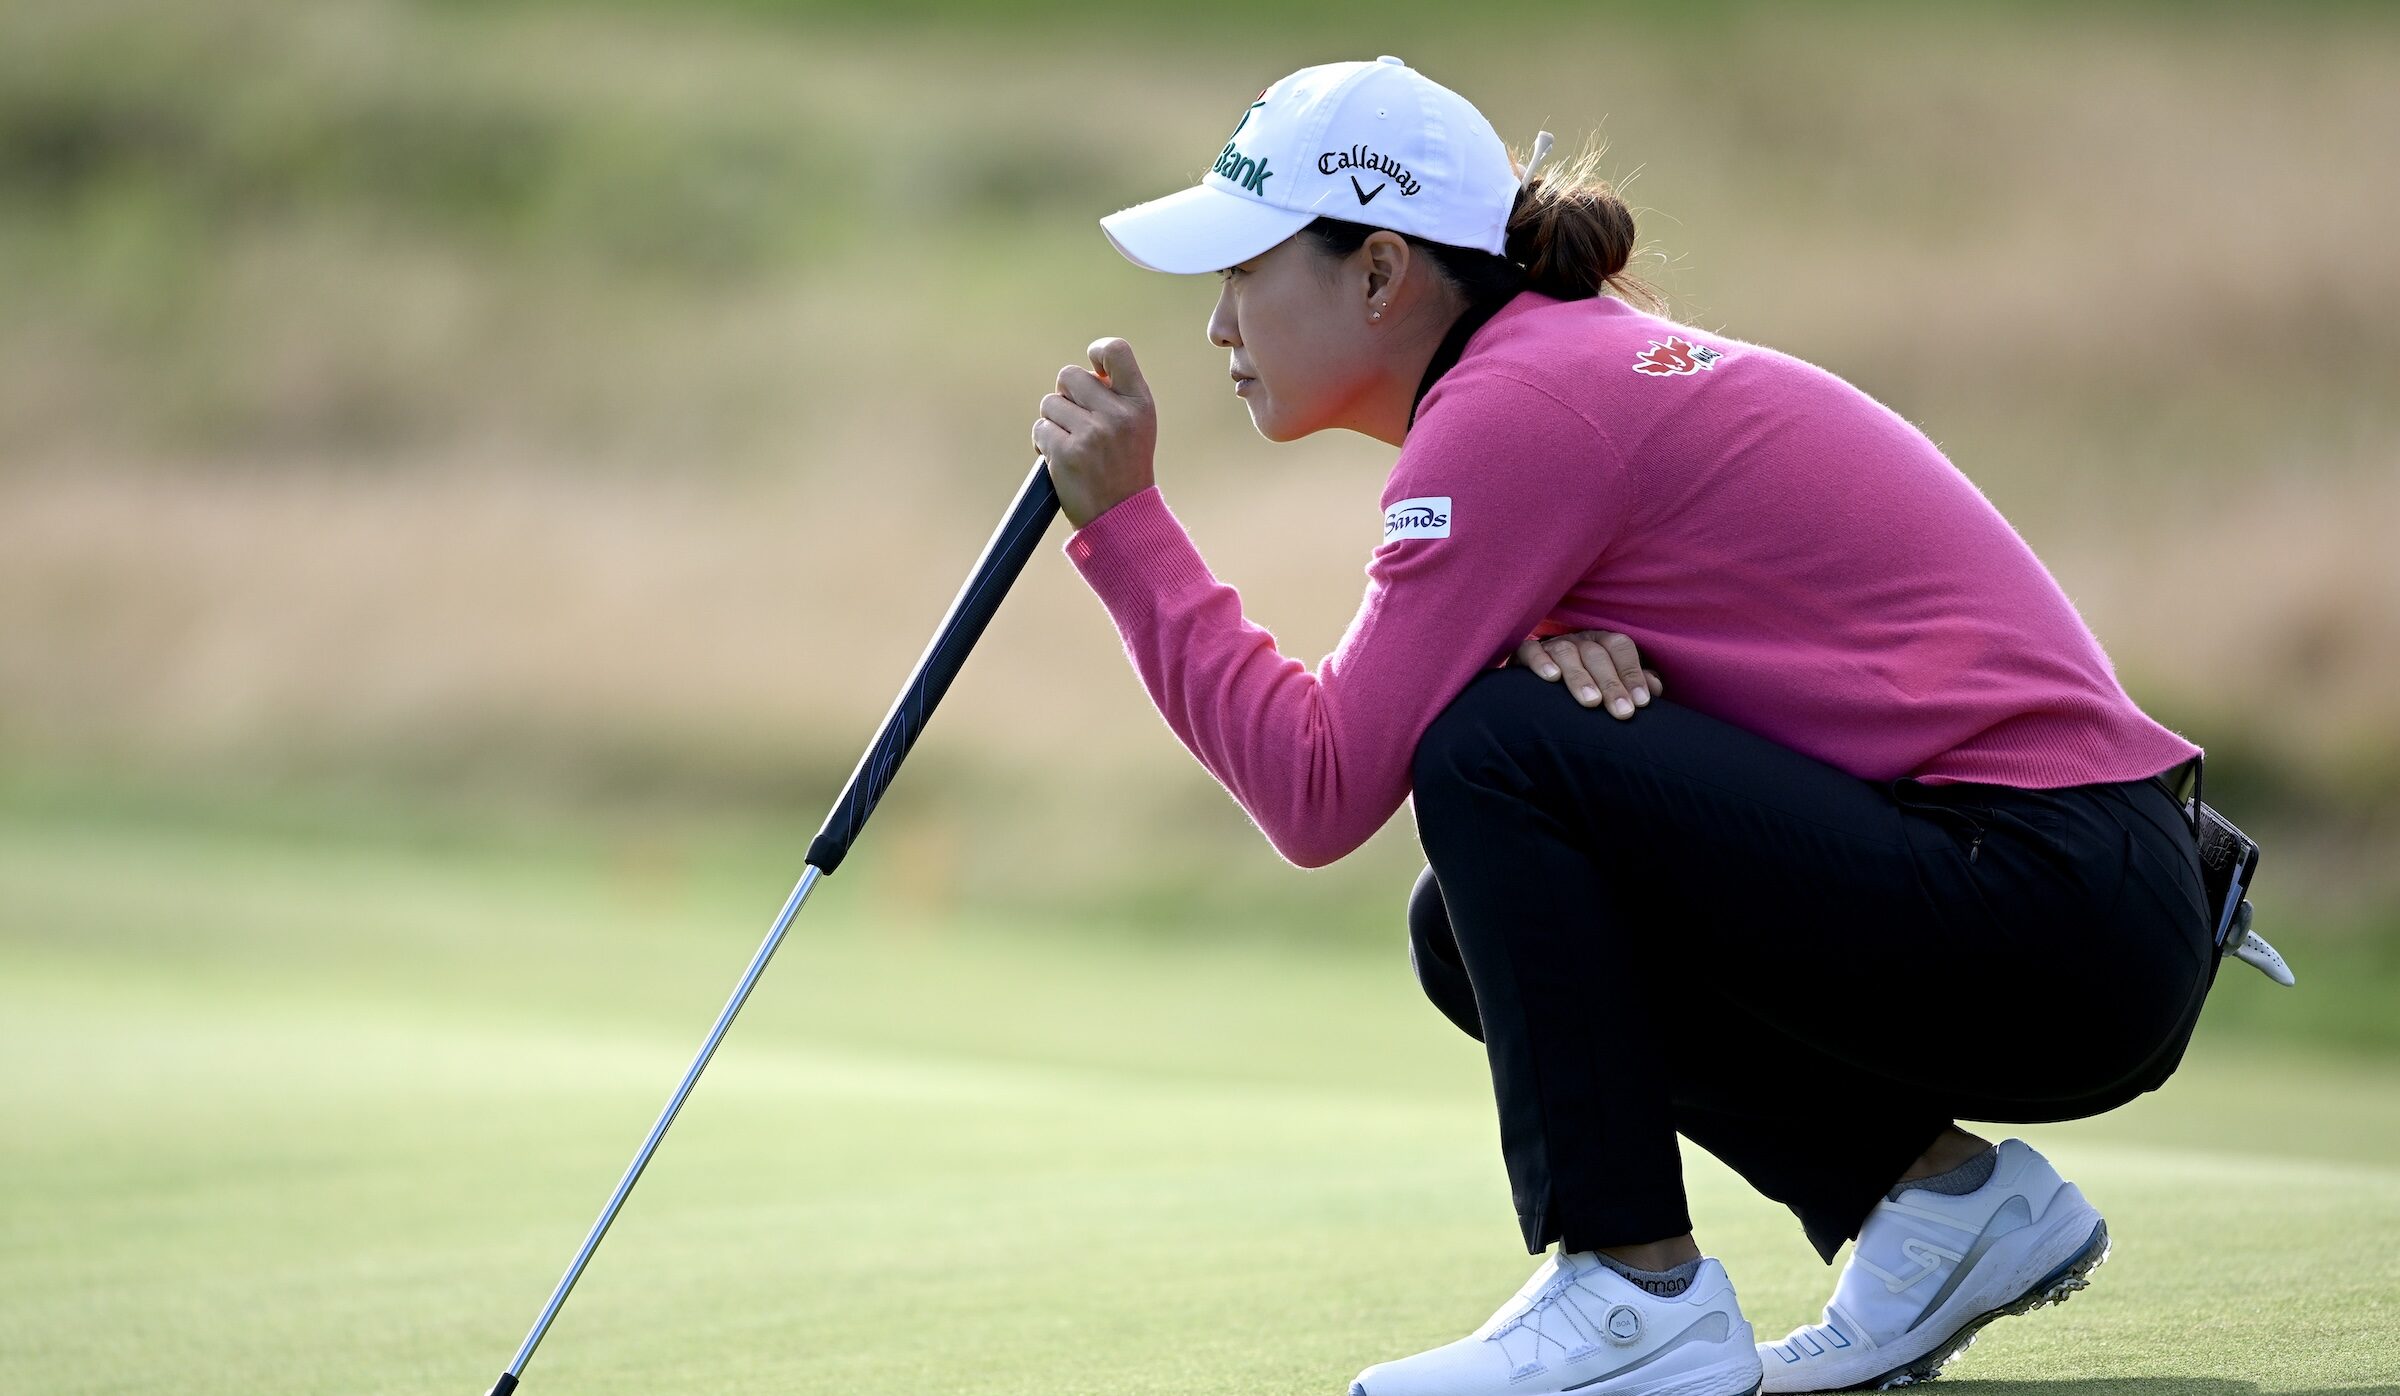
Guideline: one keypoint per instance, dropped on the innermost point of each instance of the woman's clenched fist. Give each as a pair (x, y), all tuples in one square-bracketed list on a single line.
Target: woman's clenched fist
[(1099, 431)]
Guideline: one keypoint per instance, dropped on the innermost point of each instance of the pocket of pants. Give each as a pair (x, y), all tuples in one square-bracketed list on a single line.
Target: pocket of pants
[(2045, 868), (1963, 815)]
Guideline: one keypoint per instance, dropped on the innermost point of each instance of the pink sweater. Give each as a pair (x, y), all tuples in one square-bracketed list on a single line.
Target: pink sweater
[(1790, 555)]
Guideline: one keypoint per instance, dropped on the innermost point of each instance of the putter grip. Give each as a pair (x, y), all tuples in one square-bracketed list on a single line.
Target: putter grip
[(1003, 558)]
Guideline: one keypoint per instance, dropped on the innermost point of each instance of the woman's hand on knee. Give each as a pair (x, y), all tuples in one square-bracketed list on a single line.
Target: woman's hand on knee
[(1599, 666)]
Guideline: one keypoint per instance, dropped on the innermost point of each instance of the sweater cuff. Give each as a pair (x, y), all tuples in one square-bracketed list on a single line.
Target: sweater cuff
[(1136, 549)]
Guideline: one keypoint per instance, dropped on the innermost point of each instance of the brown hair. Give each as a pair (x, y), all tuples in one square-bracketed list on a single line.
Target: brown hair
[(1569, 236)]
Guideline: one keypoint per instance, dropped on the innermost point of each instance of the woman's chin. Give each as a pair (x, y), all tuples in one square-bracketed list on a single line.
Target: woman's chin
[(1269, 423)]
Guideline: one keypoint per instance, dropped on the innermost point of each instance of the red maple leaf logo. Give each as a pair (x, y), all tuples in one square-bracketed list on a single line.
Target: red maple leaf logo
[(1674, 356)]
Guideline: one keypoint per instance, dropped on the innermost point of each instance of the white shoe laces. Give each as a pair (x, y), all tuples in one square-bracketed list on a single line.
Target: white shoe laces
[(1549, 1295), (1610, 1326)]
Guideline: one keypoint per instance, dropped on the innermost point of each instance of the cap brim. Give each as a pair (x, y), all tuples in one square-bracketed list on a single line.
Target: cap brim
[(1199, 229)]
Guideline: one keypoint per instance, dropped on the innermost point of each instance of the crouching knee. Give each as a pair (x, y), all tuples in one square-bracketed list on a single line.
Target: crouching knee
[(1434, 955)]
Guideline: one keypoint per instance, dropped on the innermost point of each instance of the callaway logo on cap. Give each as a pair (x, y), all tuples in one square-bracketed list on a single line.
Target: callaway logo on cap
[(1377, 143)]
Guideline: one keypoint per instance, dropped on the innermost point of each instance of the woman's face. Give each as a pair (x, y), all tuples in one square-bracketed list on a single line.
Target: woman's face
[(1299, 328)]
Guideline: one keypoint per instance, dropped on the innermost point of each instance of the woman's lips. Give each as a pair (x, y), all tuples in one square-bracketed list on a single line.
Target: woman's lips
[(1241, 382)]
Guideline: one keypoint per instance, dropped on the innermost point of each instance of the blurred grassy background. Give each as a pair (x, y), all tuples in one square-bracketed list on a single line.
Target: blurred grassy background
[(473, 425)]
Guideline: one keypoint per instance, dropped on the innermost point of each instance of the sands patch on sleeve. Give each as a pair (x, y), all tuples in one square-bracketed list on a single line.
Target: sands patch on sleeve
[(1428, 517)]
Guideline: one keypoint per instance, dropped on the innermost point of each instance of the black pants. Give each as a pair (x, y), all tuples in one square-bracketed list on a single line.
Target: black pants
[(1669, 925)]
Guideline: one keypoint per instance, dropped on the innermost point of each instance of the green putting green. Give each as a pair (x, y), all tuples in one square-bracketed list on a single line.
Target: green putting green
[(307, 1115)]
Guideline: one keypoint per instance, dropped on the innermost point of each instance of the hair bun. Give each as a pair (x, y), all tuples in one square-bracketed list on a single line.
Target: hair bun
[(1572, 234)]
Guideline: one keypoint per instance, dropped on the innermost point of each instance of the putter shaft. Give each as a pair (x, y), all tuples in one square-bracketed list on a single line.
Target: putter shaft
[(658, 1131), (1004, 557)]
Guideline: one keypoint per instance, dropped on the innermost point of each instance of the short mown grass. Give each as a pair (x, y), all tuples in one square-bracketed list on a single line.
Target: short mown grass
[(312, 1113)]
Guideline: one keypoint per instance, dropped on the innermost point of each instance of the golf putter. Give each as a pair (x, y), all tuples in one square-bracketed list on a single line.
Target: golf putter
[(1004, 556)]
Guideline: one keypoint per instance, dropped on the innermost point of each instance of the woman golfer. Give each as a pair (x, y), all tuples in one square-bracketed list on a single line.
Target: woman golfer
[(1895, 848)]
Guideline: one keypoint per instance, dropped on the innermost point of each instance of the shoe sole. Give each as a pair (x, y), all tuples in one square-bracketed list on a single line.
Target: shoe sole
[(1759, 1389), (2072, 1274), (1689, 1384)]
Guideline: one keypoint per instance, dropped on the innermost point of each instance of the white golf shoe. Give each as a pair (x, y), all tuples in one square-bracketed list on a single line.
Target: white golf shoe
[(1579, 1326), (1931, 1269)]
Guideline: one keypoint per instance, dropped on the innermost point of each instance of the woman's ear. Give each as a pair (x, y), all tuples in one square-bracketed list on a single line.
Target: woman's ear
[(1387, 267)]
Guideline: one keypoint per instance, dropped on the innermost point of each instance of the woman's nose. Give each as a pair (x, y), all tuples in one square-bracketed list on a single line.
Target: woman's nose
[(1220, 324)]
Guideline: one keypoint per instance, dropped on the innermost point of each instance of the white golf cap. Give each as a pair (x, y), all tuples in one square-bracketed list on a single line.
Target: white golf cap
[(1377, 143)]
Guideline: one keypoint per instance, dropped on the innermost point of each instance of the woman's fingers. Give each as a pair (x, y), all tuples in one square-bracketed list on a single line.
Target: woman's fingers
[(1114, 358), (1064, 411), (1055, 430), (1578, 676), (1058, 424), (1084, 388), (1532, 656), (1600, 667), (1628, 665), (1599, 659)]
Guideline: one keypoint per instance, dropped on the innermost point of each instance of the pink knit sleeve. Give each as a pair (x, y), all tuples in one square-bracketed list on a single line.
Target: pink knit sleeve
[(1502, 499)]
